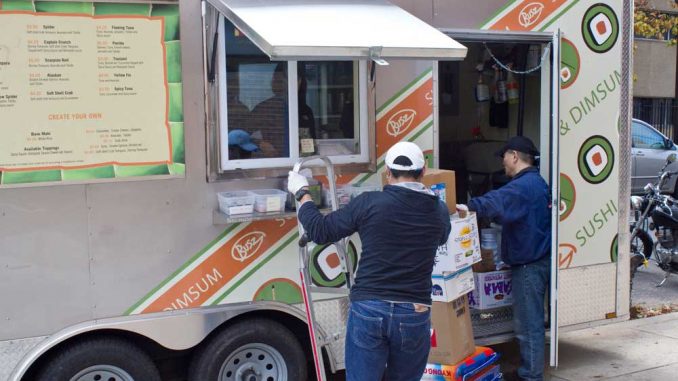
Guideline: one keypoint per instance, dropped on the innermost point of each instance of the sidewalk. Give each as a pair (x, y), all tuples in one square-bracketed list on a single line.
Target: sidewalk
[(638, 350)]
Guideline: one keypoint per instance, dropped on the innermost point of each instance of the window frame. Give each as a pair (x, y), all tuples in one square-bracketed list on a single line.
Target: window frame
[(651, 131), (240, 168)]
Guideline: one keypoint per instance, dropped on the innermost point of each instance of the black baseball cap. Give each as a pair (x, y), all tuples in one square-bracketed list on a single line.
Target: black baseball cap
[(520, 144)]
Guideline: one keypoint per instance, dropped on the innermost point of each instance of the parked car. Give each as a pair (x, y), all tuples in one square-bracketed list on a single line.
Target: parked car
[(649, 151)]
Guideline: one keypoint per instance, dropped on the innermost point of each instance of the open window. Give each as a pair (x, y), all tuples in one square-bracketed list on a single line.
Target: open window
[(320, 99), (287, 79)]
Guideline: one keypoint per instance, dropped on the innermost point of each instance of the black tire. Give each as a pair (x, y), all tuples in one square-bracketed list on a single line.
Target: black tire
[(641, 250), (108, 358), (231, 351)]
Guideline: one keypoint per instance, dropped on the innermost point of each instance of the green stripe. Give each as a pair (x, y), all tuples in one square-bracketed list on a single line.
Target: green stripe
[(182, 268), (508, 4), (405, 89), (418, 134), (548, 24), (381, 163), (255, 269)]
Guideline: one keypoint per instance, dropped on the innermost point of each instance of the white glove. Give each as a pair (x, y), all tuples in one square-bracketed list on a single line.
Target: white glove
[(296, 181), (462, 207)]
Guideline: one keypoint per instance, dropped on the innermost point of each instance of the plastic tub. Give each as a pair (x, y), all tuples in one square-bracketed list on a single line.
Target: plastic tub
[(236, 202), (269, 200)]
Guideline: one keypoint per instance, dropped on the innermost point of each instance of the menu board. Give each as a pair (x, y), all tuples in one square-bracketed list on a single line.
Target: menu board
[(83, 92)]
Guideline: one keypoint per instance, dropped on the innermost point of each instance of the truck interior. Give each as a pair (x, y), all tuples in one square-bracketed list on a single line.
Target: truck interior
[(481, 105)]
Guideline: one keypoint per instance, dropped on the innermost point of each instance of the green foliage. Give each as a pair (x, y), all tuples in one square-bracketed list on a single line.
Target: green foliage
[(651, 23)]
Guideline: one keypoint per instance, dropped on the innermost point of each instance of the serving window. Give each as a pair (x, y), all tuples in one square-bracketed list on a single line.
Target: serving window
[(271, 113)]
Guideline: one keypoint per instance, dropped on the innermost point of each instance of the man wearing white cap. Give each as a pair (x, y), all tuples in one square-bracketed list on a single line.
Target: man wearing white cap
[(388, 332)]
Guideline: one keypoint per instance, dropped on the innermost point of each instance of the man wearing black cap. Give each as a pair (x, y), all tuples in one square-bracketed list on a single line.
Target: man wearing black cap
[(522, 208), (388, 330)]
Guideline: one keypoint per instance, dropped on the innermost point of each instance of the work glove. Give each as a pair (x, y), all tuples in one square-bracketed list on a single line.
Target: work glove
[(296, 181), (462, 210)]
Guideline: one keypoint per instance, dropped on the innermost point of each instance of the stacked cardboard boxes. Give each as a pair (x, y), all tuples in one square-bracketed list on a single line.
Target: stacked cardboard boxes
[(492, 288)]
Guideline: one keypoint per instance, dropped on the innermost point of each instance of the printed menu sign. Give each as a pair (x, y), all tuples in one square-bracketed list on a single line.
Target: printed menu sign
[(82, 91)]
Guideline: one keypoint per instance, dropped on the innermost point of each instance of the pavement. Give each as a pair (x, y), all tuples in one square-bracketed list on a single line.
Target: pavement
[(638, 350), (645, 291)]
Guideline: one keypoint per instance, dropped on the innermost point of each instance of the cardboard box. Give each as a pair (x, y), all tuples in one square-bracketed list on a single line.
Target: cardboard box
[(451, 332), (460, 371), (451, 285), (462, 248), (486, 263), (492, 290), (442, 182)]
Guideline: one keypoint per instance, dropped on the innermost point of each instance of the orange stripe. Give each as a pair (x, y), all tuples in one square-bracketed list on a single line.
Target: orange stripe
[(393, 126), (190, 291), (527, 15), (222, 260)]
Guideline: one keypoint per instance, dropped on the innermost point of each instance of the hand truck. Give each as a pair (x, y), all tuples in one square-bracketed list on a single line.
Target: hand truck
[(307, 286)]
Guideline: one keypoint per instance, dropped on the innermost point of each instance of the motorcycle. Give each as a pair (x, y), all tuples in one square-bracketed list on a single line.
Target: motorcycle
[(656, 212)]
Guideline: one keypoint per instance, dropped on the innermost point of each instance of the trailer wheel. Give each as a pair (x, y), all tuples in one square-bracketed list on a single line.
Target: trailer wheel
[(106, 359), (256, 350)]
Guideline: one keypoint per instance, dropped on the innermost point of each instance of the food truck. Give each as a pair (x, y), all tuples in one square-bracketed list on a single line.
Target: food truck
[(142, 144)]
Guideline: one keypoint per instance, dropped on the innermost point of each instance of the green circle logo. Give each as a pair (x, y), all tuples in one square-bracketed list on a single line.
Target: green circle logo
[(600, 28), (570, 63), (614, 248), (568, 196), (596, 159), (279, 290), (325, 266)]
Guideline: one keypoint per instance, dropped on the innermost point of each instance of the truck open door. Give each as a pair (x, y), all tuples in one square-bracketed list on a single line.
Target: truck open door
[(555, 194)]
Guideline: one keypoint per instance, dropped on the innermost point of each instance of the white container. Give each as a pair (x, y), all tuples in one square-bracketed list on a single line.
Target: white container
[(269, 200), (236, 202), (450, 286)]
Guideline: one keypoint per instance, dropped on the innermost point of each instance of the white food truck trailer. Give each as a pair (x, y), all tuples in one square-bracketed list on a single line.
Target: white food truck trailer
[(122, 120)]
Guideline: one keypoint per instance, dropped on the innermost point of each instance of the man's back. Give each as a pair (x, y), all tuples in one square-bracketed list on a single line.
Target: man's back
[(400, 230)]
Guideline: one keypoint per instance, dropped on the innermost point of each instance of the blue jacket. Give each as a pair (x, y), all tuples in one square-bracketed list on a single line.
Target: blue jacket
[(400, 230), (522, 207)]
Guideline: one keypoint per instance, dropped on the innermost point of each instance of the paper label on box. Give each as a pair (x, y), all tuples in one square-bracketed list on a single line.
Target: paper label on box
[(307, 146), (438, 372), (439, 190), (272, 204)]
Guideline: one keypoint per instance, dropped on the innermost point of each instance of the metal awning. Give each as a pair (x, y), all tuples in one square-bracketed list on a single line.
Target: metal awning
[(337, 30)]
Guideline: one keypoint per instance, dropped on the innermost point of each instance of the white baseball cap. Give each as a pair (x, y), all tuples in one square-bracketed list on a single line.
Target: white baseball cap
[(405, 156)]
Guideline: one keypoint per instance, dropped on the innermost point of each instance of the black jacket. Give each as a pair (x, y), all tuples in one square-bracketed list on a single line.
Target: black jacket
[(400, 230), (523, 209)]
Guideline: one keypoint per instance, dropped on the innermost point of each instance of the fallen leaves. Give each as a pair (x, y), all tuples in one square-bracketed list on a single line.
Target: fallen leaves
[(640, 311)]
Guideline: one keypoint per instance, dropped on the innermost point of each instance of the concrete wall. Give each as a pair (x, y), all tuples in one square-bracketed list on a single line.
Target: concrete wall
[(655, 69), (661, 5)]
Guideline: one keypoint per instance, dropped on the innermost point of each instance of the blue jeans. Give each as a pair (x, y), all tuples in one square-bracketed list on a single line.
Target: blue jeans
[(530, 283), (385, 339)]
